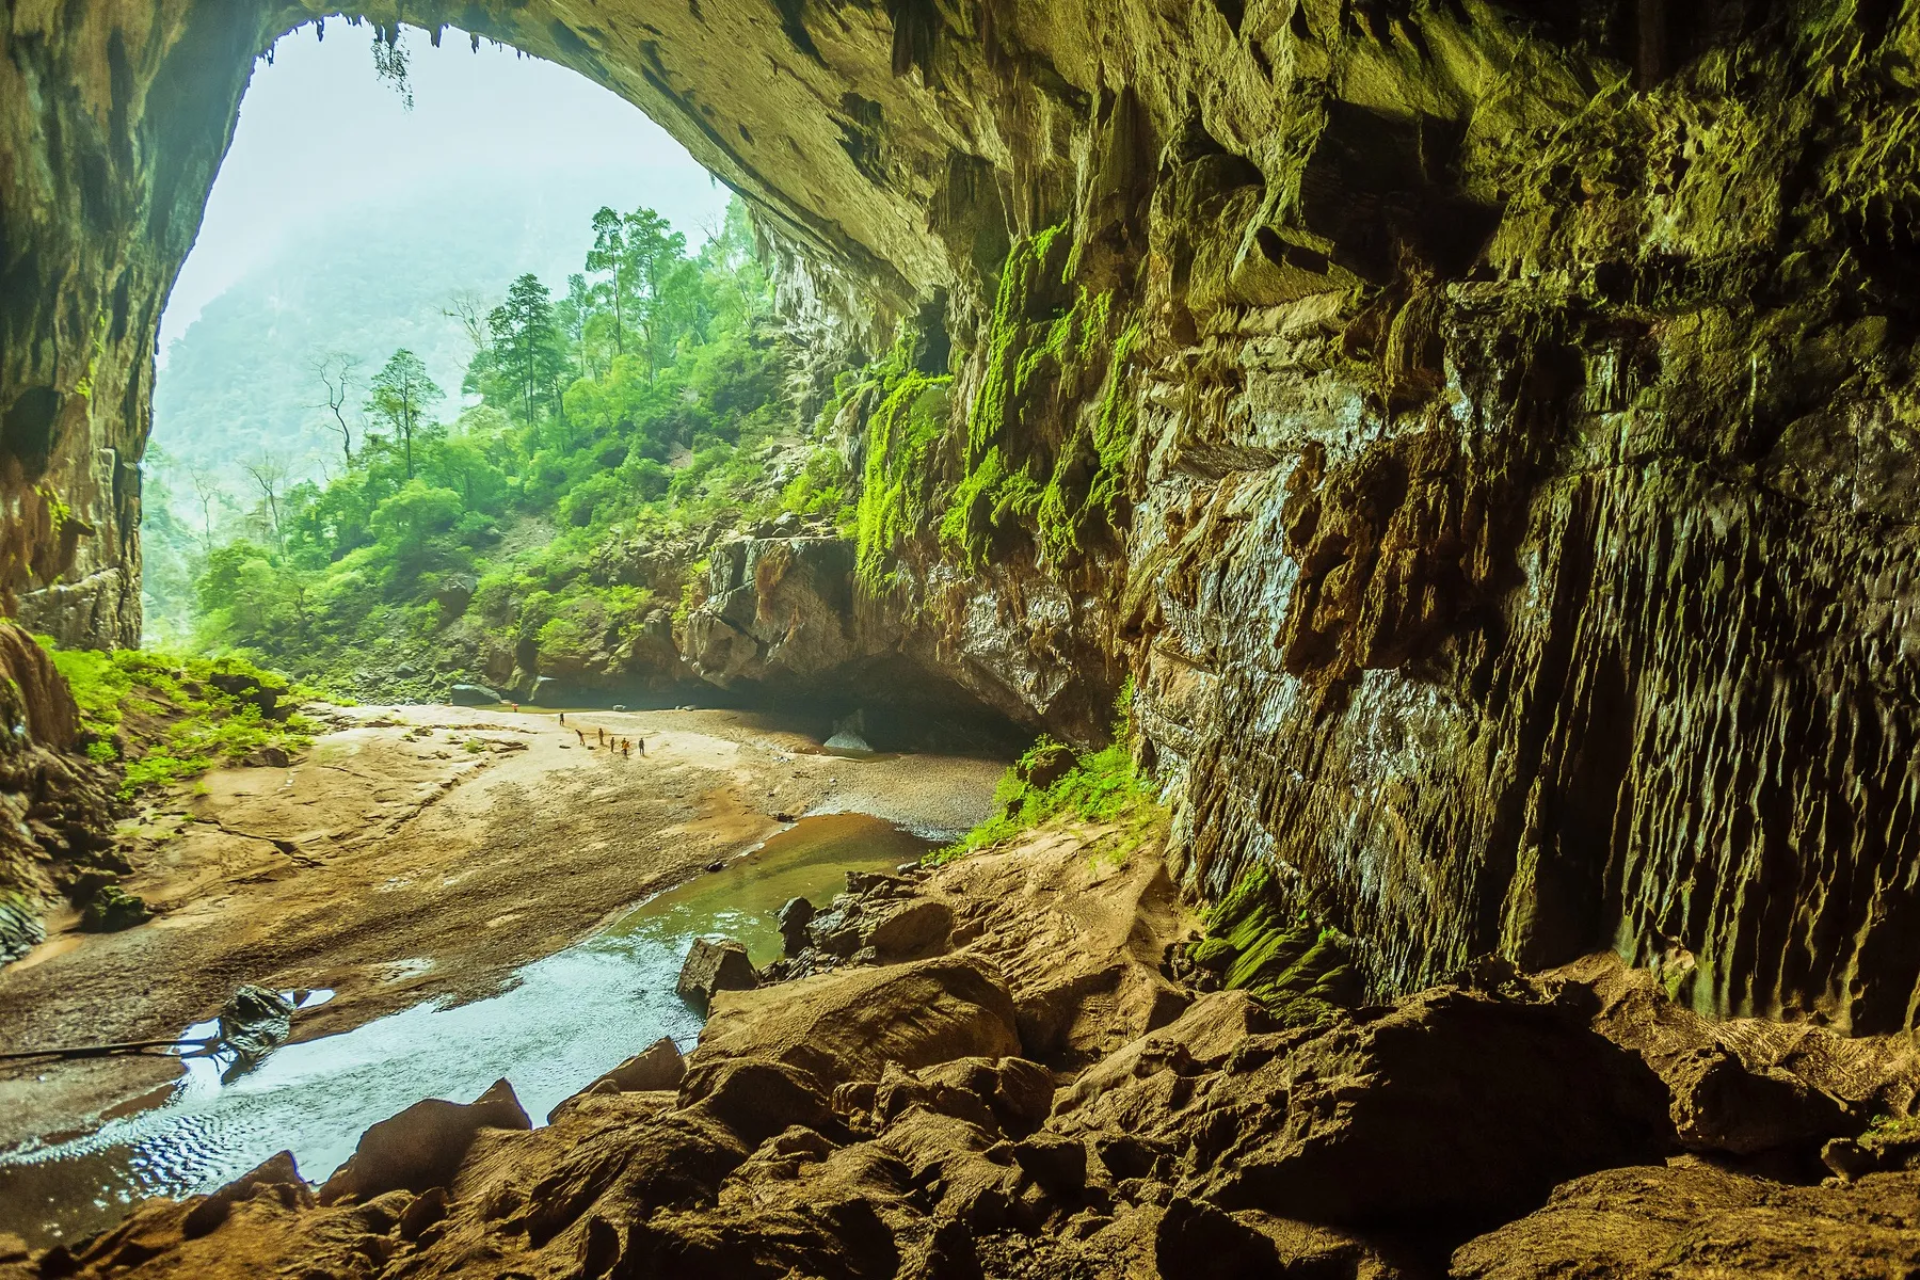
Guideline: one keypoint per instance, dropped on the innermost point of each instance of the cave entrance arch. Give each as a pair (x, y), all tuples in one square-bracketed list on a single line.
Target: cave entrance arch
[(115, 124)]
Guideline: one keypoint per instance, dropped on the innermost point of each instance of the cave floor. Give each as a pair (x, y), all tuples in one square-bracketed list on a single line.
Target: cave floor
[(416, 853)]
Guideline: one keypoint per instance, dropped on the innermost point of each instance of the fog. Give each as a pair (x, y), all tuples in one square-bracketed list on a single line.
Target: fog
[(321, 138)]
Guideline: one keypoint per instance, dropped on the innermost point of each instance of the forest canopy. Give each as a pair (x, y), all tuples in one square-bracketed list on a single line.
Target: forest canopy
[(635, 402)]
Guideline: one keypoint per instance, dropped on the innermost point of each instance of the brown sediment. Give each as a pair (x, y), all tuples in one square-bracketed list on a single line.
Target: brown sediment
[(394, 863)]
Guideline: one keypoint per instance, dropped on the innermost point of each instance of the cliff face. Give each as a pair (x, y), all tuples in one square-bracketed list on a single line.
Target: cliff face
[(1484, 432)]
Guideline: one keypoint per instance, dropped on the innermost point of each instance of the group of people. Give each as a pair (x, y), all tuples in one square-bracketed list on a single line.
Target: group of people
[(625, 746)]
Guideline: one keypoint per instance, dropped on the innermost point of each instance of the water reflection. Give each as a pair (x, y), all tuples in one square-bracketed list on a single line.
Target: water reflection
[(563, 1021)]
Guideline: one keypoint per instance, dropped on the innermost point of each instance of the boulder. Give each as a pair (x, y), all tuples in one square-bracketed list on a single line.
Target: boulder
[(422, 1146), (911, 929), (1695, 1222), (255, 1021), (848, 1025), (1056, 1163), (1743, 1085), (455, 592), (473, 695), (113, 909), (278, 1174), (794, 918), (1454, 1105), (659, 1067), (757, 1099), (1045, 765), (1722, 1104), (1211, 1028), (1193, 1240), (1890, 1146), (844, 741), (714, 965)]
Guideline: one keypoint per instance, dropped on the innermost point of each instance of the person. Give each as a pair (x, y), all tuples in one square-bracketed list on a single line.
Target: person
[(515, 706), (626, 750), (581, 735), (563, 717), (602, 733), (643, 748)]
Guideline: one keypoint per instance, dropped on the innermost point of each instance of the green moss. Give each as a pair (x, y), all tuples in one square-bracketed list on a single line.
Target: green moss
[(1007, 341), (1300, 970), (1064, 514), (189, 715), (903, 434), (1034, 355), (1102, 786)]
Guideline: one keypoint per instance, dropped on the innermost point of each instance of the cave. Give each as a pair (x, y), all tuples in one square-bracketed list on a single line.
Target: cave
[(1467, 445), (1519, 519)]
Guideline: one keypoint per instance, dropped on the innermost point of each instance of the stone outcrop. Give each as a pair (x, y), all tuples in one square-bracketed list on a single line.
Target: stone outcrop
[(423, 1146), (714, 965), (896, 1120), (56, 806), (1696, 1221)]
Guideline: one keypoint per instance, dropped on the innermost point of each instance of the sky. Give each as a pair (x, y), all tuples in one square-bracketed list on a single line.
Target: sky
[(319, 133)]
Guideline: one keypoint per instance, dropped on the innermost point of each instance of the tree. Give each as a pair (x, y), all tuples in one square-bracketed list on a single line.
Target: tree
[(609, 257), (402, 397), (269, 473), (523, 340), (337, 372), (207, 492), (573, 315), (468, 308), (654, 250)]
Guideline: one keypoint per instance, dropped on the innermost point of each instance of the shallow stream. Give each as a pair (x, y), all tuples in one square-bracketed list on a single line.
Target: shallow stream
[(561, 1022)]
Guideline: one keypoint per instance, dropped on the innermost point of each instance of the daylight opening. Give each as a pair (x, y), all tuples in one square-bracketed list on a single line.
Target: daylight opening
[(455, 319)]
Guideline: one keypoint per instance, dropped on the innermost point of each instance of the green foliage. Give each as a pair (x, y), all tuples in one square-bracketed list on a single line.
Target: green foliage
[(824, 487), (896, 486), (1039, 355), (1103, 787), (402, 397), (593, 429), (1298, 969), (166, 719)]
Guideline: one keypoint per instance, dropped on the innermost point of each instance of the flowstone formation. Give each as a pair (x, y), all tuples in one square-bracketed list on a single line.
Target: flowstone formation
[(1484, 431)]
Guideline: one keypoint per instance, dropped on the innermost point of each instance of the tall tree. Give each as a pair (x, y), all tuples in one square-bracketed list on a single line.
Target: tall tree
[(608, 257), (523, 341), (403, 396), (468, 308), (269, 472), (654, 252), (573, 315), (338, 372), (207, 491)]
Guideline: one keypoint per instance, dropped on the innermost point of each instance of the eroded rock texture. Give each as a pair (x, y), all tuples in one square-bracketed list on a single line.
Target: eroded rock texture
[(1034, 1100), (1483, 430)]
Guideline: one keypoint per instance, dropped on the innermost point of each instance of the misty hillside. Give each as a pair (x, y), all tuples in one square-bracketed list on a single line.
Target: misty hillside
[(240, 380)]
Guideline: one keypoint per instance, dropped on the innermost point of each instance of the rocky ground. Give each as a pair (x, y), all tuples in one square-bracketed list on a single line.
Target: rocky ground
[(1012, 1083), (415, 852)]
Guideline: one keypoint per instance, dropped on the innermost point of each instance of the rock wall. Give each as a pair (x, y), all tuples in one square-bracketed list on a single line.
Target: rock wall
[(55, 806), (1483, 431)]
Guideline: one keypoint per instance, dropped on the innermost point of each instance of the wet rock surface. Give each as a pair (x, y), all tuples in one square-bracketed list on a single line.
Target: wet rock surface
[(56, 806), (714, 965)]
